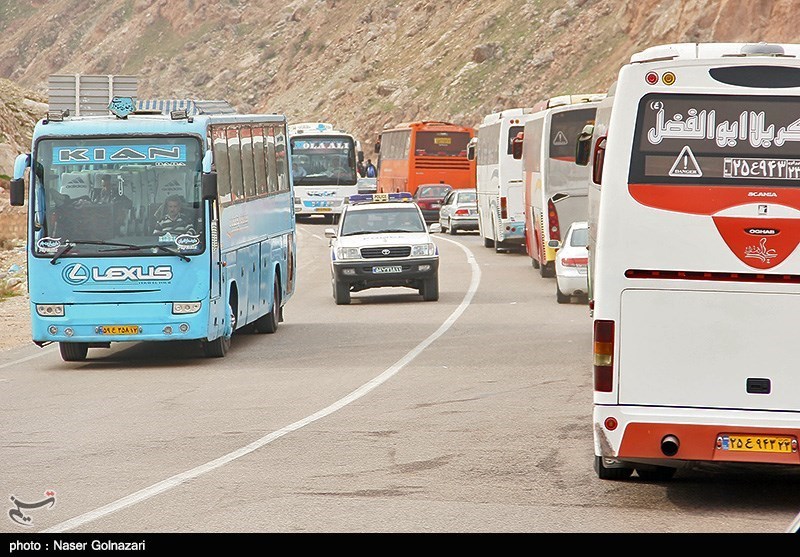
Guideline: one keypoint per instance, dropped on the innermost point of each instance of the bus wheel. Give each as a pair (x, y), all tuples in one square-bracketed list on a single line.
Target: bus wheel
[(488, 243), (656, 473), (341, 293), (534, 262), (269, 323), (73, 351), (604, 473), (218, 347), (547, 270)]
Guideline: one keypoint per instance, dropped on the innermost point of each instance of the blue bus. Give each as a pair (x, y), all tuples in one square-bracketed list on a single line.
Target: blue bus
[(157, 227)]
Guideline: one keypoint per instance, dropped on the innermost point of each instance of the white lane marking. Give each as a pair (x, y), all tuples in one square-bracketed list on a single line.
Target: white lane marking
[(176, 480), (318, 237), (25, 359)]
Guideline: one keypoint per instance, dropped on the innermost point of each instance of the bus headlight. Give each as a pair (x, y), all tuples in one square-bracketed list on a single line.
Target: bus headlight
[(348, 253), (50, 310), (180, 308), (422, 250)]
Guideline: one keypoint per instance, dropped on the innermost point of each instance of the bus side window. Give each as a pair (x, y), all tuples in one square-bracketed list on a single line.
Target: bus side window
[(599, 157)]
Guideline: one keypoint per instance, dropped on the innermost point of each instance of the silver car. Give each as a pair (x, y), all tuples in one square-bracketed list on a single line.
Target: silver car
[(571, 264), (459, 211)]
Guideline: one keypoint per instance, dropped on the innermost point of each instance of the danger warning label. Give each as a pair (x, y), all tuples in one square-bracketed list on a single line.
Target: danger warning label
[(685, 164), (560, 139)]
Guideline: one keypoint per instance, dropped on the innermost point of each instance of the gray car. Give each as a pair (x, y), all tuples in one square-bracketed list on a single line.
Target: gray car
[(459, 211)]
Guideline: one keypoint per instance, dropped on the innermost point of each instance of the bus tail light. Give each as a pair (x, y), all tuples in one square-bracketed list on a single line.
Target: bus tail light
[(603, 355), (555, 232), (503, 207)]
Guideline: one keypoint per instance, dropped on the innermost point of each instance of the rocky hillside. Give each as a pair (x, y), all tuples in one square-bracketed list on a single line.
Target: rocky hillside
[(363, 64)]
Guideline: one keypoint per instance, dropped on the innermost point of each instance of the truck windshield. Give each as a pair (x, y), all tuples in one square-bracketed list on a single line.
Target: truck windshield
[(92, 192)]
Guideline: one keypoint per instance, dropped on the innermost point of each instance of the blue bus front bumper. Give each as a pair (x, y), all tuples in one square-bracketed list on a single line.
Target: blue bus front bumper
[(95, 323)]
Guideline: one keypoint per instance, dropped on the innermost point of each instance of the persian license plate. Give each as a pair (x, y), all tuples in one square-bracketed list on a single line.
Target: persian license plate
[(323, 209), (755, 443), (393, 269), (119, 329)]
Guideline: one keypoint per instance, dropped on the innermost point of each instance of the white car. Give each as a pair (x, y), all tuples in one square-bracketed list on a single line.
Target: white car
[(459, 211), (382, 240), (572, 261)]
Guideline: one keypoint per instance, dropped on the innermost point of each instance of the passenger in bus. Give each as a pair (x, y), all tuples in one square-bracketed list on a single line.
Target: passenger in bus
[(109, 196), (298, 170), (172, 219)]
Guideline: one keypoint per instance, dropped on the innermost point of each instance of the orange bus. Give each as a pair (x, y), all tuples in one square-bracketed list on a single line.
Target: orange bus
[(426, 152)]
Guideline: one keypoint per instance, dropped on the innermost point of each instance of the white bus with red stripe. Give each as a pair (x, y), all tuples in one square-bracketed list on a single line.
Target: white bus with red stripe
[(694, 271), (555, 188)]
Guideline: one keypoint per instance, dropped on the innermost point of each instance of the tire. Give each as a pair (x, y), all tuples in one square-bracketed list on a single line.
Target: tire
[(561, 298), (341, 293), (616, 474), (451, 229), (73, 351), (534, 263), (547, 270), (487, 243), (656, 473), (430, 289), (269, 323), (218, 347)]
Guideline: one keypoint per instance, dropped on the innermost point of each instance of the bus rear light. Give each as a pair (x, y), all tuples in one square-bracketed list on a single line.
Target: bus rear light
[(555, 233), (603, 355), (503, 207), (651, 78), (611, 423)]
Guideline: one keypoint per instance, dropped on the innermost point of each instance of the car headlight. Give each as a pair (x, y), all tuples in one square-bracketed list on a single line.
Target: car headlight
[(423, 250), (348, 253)]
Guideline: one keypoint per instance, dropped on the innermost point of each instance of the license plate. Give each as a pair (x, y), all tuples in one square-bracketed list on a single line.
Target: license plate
[(119, 329), (395, 269), (755, 443), (435, 205), (323, 209)]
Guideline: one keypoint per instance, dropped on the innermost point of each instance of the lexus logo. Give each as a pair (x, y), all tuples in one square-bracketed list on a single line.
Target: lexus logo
[(386, 252)]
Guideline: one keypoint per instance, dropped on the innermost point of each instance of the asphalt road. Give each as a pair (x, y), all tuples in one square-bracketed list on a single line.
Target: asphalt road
[(470, 414)]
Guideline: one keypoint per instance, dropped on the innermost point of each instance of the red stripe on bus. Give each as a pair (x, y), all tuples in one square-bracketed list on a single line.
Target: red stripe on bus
[(708, 199), (712, 276)]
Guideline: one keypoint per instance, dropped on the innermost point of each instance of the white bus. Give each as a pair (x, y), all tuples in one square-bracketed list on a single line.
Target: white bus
[(323, 168), (694, 263), (501, 214), (555, 188)]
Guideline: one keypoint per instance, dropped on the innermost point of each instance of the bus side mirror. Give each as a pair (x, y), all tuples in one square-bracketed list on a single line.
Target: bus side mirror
[(471, 152), (209, 185), (584, 145), (516, 146), (17, 192), (599, 158)]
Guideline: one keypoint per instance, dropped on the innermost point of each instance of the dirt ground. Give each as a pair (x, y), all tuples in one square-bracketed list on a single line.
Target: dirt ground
[(15, 317)]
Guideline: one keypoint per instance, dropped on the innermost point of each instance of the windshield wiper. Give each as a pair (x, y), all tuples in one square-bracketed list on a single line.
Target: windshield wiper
[(72, 243), (399, 230), (135, 247), (360, 232)]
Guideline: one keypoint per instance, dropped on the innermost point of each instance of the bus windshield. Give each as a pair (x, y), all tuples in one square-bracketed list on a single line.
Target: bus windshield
[(115, 196), (320, 161), (441, 144)]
